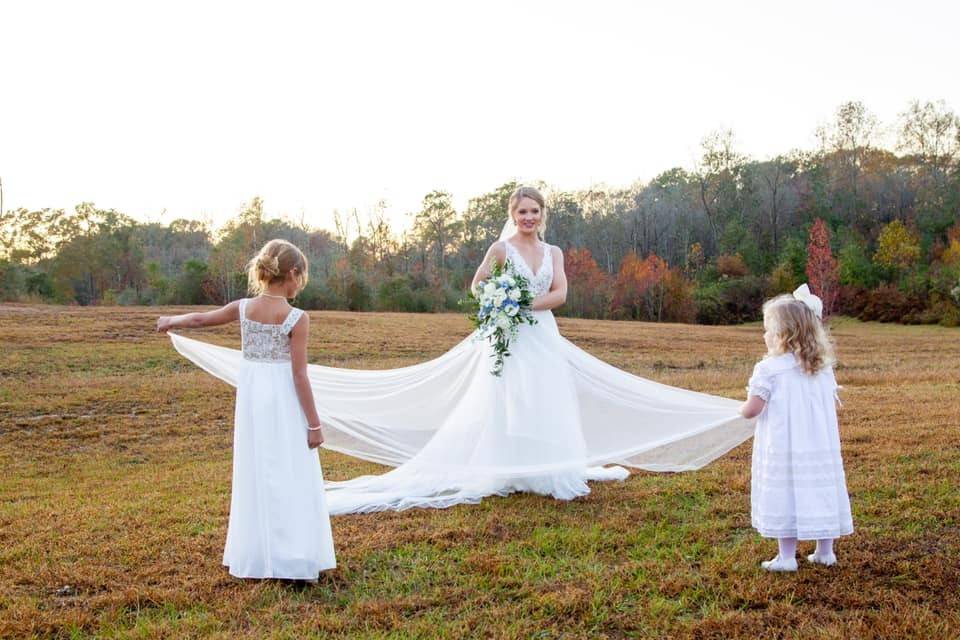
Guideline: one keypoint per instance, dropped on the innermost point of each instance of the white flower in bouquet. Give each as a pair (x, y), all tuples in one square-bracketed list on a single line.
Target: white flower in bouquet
[(501, 304)]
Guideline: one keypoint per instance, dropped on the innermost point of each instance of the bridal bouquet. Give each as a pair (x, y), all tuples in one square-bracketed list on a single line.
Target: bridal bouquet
[(503, 304)]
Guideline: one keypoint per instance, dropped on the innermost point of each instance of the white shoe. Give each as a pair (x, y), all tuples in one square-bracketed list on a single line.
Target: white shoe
[(780, 564), (827, 561)]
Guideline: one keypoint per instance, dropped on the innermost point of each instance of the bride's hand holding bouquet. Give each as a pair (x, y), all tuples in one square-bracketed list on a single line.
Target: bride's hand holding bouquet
[(500, 305)]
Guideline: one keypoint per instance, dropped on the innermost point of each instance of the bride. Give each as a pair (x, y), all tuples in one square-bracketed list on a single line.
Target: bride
[(548, 424)]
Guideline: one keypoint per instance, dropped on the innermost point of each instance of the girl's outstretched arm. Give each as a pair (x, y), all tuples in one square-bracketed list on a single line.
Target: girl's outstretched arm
[(301, 382), (223, 315), (753, 407)]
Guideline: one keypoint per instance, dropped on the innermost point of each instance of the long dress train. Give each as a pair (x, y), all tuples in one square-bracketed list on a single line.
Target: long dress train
[(456, 433)]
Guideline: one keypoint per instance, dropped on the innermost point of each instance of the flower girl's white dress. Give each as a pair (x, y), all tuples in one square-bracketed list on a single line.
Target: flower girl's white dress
[(279, 524), (457, 434), (798, 487)]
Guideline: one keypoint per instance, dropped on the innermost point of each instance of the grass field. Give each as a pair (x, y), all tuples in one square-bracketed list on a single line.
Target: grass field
[(116, 477)]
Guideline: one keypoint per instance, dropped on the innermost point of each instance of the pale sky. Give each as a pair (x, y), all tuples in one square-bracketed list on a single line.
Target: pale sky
[(195, 107)]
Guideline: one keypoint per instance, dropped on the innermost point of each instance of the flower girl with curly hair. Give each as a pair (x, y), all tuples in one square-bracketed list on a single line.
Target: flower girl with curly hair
[(279, 524), (798, 486)]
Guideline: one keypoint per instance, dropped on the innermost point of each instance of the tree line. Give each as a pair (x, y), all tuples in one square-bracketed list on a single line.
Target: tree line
[(874, 229)]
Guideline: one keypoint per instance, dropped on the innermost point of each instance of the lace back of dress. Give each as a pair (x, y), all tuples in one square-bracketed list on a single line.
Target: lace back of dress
[(264, 342)]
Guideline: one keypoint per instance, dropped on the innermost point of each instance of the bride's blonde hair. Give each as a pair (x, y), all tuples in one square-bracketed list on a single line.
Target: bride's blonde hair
[(273, 263), (536, 196), (797, 329)]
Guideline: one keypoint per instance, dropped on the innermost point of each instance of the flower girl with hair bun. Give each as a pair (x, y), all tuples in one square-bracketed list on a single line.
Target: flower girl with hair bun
[(798, 486), (279, 524)]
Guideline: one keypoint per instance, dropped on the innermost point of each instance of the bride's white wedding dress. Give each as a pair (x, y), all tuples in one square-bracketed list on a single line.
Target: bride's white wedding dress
[(456, 433)]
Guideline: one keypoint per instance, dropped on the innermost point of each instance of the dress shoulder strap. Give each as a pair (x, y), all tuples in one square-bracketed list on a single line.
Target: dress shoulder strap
[(243, 308), (292, 318)]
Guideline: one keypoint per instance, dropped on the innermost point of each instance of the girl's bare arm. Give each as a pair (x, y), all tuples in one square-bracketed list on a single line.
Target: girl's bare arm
[(753, 407), (301, 382), (223, 315)]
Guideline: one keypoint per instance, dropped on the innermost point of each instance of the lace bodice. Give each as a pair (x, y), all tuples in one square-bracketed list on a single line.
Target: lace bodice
[(264, 342), (541, 280)]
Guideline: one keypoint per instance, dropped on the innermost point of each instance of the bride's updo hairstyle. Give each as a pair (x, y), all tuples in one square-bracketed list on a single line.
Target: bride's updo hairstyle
[(533, 194), (273, 263)]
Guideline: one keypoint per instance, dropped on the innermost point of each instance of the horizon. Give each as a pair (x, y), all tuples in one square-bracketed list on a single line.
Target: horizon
[(424, 100)]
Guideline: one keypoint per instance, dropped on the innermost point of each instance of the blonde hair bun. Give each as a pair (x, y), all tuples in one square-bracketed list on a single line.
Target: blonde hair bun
[(270, 265), (273, 263)]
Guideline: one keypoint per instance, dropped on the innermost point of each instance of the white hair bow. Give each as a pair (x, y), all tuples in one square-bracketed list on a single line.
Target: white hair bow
[(814, 303)]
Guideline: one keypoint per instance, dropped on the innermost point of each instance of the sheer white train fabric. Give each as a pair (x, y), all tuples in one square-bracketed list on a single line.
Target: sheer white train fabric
[(457, 434)]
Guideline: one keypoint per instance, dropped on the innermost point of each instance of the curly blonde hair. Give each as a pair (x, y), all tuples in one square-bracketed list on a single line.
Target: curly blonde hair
[(273, 262), (796, 329)]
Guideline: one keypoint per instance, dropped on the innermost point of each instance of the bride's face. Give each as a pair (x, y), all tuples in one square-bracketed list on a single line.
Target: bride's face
[(527, 215)]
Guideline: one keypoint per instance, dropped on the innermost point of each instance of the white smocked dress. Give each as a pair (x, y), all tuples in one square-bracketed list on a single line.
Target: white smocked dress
[(279, 525), (798, 486)]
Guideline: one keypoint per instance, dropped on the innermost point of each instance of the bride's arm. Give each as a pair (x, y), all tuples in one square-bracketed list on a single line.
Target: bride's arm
[(558, 290), (496, 254), (223, 315)]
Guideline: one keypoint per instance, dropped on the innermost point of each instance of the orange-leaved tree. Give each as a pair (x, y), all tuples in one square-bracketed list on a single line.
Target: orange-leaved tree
[(639, 290), (590, 287)]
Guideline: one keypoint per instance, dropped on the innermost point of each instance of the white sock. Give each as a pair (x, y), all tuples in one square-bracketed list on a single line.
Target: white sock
[(824, 548), (788, 548), (786, 560), (824, 553)]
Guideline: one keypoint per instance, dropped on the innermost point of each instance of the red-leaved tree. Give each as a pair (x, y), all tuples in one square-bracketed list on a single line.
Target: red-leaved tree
[(823, 271), (590, 287)]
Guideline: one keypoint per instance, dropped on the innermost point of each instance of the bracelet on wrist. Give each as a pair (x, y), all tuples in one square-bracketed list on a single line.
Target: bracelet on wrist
[(316, 428)]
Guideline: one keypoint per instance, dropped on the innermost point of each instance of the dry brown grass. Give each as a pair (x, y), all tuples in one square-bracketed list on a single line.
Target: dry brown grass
[(114, 498)]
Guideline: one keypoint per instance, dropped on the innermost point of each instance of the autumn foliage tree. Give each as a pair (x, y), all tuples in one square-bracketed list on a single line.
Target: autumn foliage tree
[(732, 266), (898, 247), (823, 272), (590, 287), (632, 291), (679, 304), (951, 254), (648, 289)]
